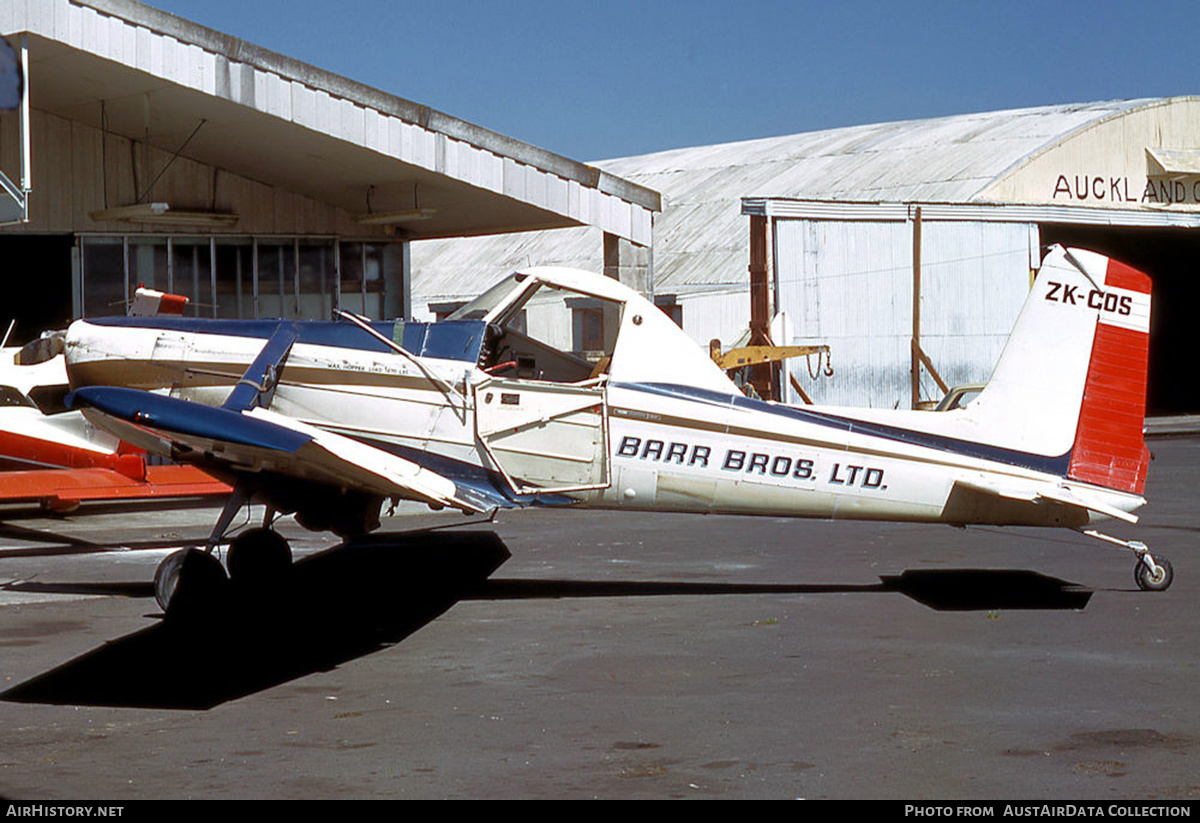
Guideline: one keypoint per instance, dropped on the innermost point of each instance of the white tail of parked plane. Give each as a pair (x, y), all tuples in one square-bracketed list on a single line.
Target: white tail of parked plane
[(1071, 381)]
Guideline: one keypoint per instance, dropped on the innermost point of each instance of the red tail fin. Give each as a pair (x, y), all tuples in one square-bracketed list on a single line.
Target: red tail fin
[(1109, 449)]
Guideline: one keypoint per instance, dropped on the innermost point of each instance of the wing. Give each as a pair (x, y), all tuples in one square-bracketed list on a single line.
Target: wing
[(243, 437), (256, 440)]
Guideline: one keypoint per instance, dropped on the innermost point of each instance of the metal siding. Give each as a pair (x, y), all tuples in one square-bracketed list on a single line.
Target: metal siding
[(721, 315), (848, 285), (464, 268), (1104, 164), (192, 57), (700, 238), (549, 320), (73, 177), (974, 280)]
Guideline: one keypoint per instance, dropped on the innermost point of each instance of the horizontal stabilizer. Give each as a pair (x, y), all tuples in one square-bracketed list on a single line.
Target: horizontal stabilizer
[(1031, 493), (60, 489), (1073, 498)]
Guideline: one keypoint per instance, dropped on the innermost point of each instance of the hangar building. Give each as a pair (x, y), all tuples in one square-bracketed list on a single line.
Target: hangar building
[(847, 216), (153, 150)]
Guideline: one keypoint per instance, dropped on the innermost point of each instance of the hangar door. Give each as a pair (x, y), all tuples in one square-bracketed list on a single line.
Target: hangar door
[(849, 284)]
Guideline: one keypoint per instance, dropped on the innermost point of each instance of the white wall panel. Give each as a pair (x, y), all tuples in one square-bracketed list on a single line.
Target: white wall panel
[(848, 285), (974, 280), (723, 315)]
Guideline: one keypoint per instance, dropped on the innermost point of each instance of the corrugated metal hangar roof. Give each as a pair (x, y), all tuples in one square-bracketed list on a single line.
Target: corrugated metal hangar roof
[(133, 70), (700, 239)]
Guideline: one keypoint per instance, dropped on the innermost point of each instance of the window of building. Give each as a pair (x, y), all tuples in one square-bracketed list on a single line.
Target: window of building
[(146, 264), (235, 279), (594, 326), (671, 307), (441, 311), (107, 292), (364, 282), (244, 277), (190, 273), (589, 332)]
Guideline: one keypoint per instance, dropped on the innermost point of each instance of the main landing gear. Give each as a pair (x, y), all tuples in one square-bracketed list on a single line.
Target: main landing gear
[(1150, 573), (257, 560)]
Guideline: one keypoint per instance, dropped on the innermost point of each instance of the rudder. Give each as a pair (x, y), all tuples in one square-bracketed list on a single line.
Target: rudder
[(1109, 448)]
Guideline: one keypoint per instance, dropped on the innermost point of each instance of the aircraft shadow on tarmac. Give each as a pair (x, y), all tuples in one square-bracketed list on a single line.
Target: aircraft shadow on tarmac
[(46, 543), (942, 590), (353, 600), (334, 607)]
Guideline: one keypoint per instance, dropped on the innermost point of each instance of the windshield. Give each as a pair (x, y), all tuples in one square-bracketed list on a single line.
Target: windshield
[(482, 305)]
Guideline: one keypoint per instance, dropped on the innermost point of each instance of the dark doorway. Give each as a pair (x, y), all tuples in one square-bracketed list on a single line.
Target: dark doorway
[(1169, 257), (37, 284)]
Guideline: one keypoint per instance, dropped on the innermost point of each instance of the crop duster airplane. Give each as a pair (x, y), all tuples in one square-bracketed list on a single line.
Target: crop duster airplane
[(328, 420)]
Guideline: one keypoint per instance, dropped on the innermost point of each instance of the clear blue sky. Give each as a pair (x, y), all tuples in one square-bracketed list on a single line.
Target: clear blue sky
[(595, 79)]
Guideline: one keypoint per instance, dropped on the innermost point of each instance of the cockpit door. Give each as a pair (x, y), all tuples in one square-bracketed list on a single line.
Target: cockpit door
[(545, 436)]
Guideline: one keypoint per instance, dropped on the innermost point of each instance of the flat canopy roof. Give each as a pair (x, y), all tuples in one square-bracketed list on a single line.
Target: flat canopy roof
[(151, 76)]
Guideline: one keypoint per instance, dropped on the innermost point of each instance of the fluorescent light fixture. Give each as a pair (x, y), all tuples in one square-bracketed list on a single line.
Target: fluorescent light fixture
[(163, 214), (394, 218)]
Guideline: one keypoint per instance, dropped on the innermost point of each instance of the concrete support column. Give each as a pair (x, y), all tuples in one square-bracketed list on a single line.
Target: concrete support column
[(628, 263)]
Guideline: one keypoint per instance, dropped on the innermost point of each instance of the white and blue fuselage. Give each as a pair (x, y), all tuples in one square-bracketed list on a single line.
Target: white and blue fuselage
[(476, 413)]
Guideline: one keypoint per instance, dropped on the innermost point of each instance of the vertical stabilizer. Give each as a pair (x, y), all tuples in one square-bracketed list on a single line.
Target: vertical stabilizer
[(1072, 379)]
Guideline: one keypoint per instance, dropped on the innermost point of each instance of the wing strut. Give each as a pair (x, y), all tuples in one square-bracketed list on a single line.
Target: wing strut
[(256, 388), (239, 497), (257, 385)]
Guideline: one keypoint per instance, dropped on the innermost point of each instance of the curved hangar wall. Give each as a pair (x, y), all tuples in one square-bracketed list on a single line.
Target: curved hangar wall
[(1126, 183)]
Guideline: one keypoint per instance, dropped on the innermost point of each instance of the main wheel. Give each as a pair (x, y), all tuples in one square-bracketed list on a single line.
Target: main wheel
[(1147, 580), (187, 579), (258, 558)]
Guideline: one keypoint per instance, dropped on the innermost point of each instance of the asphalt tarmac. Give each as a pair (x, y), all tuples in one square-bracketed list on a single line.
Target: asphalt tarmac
[(608, 655)]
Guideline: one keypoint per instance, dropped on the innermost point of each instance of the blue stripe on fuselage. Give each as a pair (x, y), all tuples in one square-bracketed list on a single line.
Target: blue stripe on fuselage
[(1051, 464)]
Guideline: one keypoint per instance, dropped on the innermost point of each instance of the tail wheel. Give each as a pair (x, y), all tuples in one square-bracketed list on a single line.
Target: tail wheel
[(1154, 580)]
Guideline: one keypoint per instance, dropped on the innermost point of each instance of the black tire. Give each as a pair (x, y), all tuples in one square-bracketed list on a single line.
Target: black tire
[(187, 579), (1146, 580), (258, 557)]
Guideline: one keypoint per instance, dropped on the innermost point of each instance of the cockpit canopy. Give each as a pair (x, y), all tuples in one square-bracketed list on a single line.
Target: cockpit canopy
[(615, 332)]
